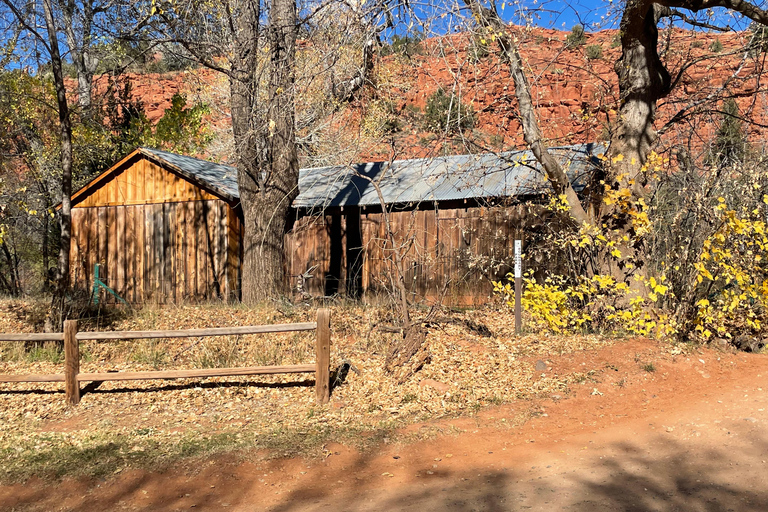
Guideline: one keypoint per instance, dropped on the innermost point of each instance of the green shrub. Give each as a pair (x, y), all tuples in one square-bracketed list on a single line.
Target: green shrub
[(716, 46), (446, 113), (407, 45), (616, 40), (697, 44), (576, 38), (594, 51)]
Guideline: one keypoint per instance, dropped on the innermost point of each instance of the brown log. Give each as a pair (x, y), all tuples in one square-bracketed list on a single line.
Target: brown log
[(188, 374), (323, 356), (218, 331), (71, 362)]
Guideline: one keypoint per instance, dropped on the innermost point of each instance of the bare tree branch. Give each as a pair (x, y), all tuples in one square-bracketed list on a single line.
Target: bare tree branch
[(490, 20)]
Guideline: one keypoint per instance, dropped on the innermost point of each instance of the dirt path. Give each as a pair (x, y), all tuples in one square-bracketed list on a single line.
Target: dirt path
[(688, 434)]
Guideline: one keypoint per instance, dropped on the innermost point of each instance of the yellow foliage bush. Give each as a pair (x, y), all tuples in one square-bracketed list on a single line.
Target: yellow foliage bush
[(731, 274), (718, 264), (598, 302)]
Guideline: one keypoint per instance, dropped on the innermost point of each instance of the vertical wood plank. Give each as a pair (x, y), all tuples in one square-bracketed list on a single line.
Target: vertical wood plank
[(121, 246), (365, 234), (323, 356), (180, 188), (73, 249), (157, 191), (120, 182), (93, 243), (168, 183), (178, 256), (191, 249), (130, 254), (141, 175), (130, 184), (221, 249), (430, 251), (210, 241), (232, 252), (112, 249), (82, 248), (168, 243), (111, 188), (103, 237), (149, 253), (157, 243), (202, 249), (140, 251), (71, 363)]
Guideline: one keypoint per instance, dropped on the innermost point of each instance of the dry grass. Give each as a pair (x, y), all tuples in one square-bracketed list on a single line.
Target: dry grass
[(122, 424)]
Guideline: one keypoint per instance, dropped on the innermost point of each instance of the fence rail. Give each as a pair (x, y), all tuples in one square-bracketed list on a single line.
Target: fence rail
[(72, 376)]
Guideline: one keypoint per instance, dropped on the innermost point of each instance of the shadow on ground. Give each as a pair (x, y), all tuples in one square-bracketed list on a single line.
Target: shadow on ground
[(660, 474)]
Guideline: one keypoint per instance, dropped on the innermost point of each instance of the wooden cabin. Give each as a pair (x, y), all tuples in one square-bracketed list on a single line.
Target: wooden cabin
[(168, 228), (163, 227), (453, 221)]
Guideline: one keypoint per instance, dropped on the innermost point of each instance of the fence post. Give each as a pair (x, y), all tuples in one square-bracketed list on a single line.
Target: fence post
[(71, 362), (323, 356)]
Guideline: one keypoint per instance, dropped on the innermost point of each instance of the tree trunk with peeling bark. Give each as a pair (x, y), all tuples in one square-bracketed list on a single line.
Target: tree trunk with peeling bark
[(268, 171), (643, 81)]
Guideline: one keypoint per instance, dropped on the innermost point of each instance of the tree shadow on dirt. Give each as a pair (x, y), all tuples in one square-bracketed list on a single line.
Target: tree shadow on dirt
[(664, 475)]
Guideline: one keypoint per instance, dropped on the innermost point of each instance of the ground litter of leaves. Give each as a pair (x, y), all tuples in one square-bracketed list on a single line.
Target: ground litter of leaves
[(120, 424)]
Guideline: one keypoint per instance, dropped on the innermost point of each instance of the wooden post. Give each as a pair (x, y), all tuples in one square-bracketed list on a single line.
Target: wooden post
[(71, 362), (323, 356), (518, 286)]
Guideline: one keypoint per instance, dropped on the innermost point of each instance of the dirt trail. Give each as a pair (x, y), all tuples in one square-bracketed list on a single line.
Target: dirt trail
[(688, 434)]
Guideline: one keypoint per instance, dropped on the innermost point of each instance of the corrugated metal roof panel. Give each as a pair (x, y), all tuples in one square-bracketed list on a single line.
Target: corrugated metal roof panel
[(514, 173)]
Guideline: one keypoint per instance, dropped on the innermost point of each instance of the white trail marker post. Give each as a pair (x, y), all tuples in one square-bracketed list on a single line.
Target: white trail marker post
[(518, 286)]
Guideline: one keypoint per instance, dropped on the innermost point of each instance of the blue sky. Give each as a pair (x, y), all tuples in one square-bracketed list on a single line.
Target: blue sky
[(558, 14)]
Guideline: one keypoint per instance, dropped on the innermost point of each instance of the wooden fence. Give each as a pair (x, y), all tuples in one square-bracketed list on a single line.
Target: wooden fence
[(72, 376)]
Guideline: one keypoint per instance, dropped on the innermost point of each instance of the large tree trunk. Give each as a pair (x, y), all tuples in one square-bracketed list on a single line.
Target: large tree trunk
[(268, 170), (56, 315), (643, 80)]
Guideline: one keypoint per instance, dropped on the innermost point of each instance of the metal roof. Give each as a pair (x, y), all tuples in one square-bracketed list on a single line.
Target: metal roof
[(219, 178), (509, 174), (513, 173)]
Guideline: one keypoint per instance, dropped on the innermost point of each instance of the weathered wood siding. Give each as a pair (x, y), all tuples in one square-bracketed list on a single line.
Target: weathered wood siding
[(142, 182), (165, 252), (455, 252), (158, 238)]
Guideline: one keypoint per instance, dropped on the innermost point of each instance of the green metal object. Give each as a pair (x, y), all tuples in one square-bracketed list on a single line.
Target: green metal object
[(98, 283)]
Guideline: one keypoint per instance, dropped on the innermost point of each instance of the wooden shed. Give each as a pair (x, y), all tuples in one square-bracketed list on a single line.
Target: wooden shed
[(454, 220), (163, 228)]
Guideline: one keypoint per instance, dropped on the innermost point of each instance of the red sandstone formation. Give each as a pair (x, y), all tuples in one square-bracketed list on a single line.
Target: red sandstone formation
[(576, 96)]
